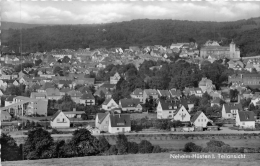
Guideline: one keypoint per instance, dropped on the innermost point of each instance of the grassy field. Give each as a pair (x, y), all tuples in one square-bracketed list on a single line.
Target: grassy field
[(141, 160), (179, 143)]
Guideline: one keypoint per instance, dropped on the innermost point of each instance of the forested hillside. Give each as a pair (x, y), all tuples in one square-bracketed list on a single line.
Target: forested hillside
[(246, 33)]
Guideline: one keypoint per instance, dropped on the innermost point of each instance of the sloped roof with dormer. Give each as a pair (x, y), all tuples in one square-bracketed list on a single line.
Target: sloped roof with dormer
[(230, 106), (120, 120), (246, 115), (129, 102)]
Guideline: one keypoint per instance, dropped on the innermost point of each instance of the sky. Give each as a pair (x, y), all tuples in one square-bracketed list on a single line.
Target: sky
[(94, 12)]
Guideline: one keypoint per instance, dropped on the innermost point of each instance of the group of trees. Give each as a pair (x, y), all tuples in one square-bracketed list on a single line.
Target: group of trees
[(135, 32), (160, 124), (40, 145), (177, 75), (66, 103), (213, 146)]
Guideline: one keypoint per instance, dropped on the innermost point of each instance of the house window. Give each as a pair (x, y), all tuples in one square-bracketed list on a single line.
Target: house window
[(170, 116), (117, 128), (58, 119), (170, 112), (243, 123)]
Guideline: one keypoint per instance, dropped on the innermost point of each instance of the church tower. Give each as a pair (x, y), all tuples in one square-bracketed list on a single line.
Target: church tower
[(232, 50)]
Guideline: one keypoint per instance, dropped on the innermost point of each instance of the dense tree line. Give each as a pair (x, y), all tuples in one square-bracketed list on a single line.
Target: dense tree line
[(40, 145), (213, 146), (136, 32)]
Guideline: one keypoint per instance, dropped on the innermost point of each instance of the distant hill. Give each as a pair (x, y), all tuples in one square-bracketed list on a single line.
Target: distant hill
[(14, 25), (142, 32)]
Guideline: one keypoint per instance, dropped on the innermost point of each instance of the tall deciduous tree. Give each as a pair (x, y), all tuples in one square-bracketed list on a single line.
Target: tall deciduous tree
[(38, 144), (9, 149)]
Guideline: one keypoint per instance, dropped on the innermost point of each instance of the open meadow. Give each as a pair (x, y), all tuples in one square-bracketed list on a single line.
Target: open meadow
[(154, 159)]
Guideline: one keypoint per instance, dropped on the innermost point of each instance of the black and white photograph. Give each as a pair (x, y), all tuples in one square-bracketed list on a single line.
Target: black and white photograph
[(130, 82)]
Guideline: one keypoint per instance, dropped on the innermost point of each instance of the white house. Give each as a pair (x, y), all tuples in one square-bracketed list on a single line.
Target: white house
[(119, 123), (109, 104), (199, 119), (60, 120), (101, 121), (229, 110), (182, 115), (245, 119), (166, 109)]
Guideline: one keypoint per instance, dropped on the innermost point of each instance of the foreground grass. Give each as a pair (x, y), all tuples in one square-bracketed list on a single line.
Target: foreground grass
[(139, 160)]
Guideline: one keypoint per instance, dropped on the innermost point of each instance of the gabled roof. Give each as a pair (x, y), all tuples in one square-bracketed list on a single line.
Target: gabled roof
[(120, 120), (169, 104), (47, 85), (175, 92), (230, 106), (65, 82), (55, 115), (108, 86), (101, 117), (164, 93), (53, 92), (87, 96), (137, 91), (151, 92), (75, 93), (216, 100), (107, 101), (129, 102), (246, 115), (195, 116), (36, 94)]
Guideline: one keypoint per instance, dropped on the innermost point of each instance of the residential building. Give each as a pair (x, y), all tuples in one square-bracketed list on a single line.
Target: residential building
[(130, 105), (252, 80), (109, 104), (175, 93), (199, 119), (164, 93), (150, 93), (166, 109), (101, 121), (60, 120), (87, 99), (182, 114), (137, 94), (119, 123), (206, 85), (230, 110), (245, 119)]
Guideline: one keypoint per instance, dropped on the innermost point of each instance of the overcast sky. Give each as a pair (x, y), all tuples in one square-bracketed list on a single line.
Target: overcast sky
[(82, 12)]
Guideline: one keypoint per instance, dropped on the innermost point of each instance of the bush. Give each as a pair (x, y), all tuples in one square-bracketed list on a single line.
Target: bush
[(132, 147), (145, 147), (157, 149), (112, 150), (103, 144), (213, 143), (191, 147), (121, 144)]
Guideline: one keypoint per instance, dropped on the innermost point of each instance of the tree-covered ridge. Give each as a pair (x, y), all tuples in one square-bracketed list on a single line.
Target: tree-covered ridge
[(140, 32)]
